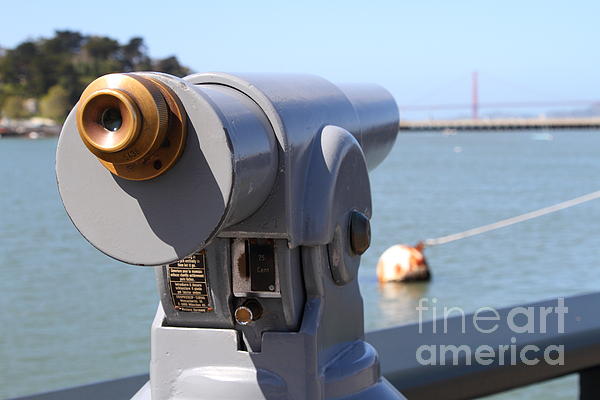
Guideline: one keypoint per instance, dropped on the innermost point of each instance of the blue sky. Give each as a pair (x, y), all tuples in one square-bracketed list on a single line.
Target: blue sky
[(422, 51)]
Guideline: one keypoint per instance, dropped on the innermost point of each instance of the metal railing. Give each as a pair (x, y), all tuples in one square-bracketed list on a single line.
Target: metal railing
[(116, 389), (459, 380), (458, 374)]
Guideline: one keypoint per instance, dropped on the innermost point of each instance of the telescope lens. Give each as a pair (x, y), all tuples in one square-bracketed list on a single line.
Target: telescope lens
[(108, 121), (111, 119)]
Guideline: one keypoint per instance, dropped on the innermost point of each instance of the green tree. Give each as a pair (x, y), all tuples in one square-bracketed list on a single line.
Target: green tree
[(13, 107), (60, 53), (101, 48), (171, 65), (134, 55), (22, 66), (101, 55), (55, 104), (64, 42)]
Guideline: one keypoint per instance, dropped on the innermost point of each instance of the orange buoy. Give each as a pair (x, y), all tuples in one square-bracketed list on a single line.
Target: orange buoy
[(402, 263)]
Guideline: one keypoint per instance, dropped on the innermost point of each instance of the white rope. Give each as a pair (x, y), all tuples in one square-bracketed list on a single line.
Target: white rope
[(513, 220)]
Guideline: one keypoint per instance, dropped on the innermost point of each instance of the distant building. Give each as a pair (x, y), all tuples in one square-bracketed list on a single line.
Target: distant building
[(30, 105)]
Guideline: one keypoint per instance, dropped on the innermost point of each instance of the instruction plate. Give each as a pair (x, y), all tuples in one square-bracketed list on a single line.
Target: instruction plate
[(188, 284)]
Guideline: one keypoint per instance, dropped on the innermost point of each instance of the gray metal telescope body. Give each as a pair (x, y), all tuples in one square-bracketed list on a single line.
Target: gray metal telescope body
[(276, 169)]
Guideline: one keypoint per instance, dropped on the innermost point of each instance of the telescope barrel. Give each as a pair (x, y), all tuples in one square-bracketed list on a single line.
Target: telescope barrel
[(151, 167), (378, 120), (306, 103)]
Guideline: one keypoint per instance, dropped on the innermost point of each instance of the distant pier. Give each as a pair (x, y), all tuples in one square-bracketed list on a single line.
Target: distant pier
[(484, 124), (32, 128)]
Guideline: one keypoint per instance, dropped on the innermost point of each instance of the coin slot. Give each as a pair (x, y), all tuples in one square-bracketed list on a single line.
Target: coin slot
[(261, 260)]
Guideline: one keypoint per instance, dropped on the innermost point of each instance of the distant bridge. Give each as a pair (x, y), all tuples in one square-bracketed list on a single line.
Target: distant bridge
[(475, 105), (505, 104), (500, 124)]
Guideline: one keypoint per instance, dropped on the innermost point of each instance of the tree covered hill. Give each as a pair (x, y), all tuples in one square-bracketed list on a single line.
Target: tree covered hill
[(45, 77)]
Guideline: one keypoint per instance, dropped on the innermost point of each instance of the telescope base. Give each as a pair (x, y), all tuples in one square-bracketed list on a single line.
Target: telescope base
[(204, 363)]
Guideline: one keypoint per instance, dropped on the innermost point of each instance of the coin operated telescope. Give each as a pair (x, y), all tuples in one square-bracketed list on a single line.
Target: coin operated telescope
[(251, 192)]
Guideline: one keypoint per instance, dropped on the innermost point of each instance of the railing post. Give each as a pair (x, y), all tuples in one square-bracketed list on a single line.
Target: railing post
[(589, 383)]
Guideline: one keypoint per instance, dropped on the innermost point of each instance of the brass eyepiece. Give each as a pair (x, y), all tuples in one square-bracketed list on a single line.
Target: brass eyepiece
[(133, 124), (110, 120)]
